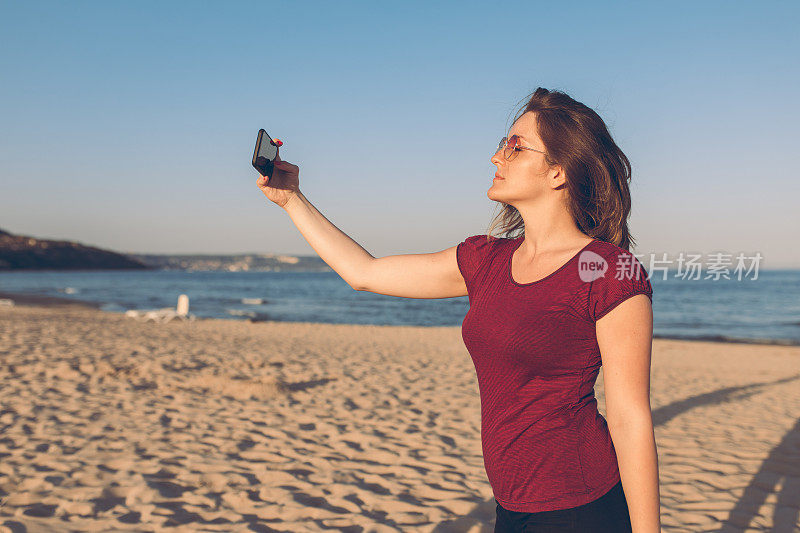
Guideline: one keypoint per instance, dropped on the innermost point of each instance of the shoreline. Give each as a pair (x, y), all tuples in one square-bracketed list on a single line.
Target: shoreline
[(35, 300)]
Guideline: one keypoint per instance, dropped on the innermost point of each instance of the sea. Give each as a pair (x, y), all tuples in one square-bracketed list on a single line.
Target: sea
[(756, 309)]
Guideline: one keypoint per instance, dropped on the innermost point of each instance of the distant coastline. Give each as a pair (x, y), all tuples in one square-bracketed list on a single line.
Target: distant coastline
[(234, 263), (24, 252)]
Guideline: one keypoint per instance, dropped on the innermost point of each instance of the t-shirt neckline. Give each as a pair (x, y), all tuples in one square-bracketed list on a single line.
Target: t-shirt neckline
[(516, 243)]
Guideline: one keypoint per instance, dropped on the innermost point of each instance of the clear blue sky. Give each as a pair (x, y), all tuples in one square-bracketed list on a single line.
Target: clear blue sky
[(130, 126)]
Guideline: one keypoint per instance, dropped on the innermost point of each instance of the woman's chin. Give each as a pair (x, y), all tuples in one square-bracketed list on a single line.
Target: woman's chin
[(494, 197), (493, 192)]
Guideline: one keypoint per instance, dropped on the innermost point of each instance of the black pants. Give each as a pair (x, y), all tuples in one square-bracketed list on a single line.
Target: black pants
[(607, 514)]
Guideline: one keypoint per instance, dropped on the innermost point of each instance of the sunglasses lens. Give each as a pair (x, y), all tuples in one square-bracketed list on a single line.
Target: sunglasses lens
[(510, 144)]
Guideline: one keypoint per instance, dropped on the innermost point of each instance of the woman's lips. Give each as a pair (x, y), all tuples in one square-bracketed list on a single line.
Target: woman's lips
[(498, 177)]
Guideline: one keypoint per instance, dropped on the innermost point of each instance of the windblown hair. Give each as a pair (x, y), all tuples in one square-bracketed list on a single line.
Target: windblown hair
[(597, 172)]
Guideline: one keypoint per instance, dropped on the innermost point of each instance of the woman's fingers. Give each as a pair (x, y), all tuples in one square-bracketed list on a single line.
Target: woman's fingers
[(277, 161)]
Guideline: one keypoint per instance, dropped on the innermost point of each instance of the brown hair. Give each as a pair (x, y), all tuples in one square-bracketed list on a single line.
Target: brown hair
[(597, 172)]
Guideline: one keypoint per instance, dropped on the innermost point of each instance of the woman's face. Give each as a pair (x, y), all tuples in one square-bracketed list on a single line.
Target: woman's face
[(525, 177)]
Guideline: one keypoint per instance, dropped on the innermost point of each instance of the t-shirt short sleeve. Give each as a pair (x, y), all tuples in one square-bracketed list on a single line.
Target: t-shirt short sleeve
[(625, 277), (470, 254)]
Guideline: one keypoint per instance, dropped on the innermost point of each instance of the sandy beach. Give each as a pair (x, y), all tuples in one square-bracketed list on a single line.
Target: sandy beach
[(111, 424)]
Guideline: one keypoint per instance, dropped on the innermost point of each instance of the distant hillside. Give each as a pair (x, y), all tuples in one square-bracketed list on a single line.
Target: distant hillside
[(20, 252)]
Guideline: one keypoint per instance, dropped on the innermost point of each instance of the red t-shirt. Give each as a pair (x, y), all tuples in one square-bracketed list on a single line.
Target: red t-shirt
[(534, 346)]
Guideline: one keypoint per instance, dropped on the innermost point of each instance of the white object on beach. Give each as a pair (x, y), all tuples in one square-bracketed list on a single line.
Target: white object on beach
[(5, 302), (183, 305), (165, 314)]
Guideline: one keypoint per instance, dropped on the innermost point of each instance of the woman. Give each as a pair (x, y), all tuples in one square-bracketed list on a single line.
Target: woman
[(548, 307)]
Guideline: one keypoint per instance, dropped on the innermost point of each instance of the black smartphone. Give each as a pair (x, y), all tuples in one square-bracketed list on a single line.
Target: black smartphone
[(264, 155)]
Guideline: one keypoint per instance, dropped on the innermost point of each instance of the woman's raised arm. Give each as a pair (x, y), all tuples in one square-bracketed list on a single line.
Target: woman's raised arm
[(430, 275)]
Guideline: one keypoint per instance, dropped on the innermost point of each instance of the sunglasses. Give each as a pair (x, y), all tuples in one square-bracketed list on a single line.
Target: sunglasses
[(510, 146)]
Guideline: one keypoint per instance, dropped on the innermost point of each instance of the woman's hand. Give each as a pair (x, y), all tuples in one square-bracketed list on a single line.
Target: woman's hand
[(284, 183)]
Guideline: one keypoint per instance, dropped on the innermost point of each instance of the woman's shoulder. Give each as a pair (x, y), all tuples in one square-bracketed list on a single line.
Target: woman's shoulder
[(612, 252), (480, 246), (484, 241), (474, 251), (614, 277)]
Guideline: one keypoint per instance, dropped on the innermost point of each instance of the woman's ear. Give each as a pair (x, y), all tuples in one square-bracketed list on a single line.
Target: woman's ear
[(557, 177)]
